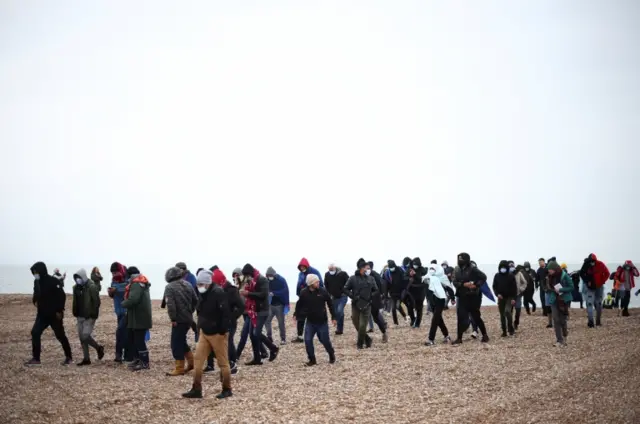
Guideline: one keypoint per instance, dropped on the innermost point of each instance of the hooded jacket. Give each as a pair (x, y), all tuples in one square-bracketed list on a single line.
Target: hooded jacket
[(417, 281), (313, 305), (279, 287), (236, 303), (48, 292), (261, 295), (467, 273), (505, 284), (406, 264), (361, 289), (439, 284), (622, 274), (531, 279), (522, 279), (396, 278), (596, 275), (214, 315), (335, 283), (96, 277), (179, 296), (303, 275), (138, 304), (86, 297)]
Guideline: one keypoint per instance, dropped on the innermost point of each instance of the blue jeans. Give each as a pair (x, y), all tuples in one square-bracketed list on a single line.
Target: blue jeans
[(338, 309), (259, 340), (518, 302), (179, 346), (594, 299), (232, 346), (244, 334), (322, 330), (121, 338)]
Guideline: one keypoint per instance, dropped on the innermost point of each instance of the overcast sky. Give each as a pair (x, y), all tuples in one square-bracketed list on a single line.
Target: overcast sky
[(157, 131)]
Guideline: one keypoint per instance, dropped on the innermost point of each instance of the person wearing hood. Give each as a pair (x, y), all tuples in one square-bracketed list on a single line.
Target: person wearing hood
[(256, 294), (191, 279), (361, 289), (595, 274), (279, 307), (49, 300), (417, 288), (448, 272), (441, 289), (181, 301), (86, 308), (137, 302), (467, 279), (558, 297), (116, 292), (397, 284), (214, 320), (376, 306), (60, 277), (335, 280), (506, 288), (577, 293), (236, 275), (522, 283), (626, 275), (406, 264), (313, 303), (527, 296), (96, 277), (541, 275), (304, 269)]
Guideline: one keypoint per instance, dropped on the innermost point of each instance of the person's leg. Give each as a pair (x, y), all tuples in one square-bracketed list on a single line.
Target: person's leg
[(203, 348), (256, 342), (339, 305), (542, 302), (598, 303), (81, 338), (590, 298), (39, 325), (355, 319), (194, 328), (419, 298), (121, 336), (463, 317), (624, 304), (309, 333), (400, 308), (269, 321), (231, 345), (57, 325), (378, 319), (281, 324), (244, 334), (409, 302), (477, 317), (300, 326), (557, 323), (394, 310), (518, 307), (503, 319), (219, 343), (323, 336), (508, 311), (435, 319), (141, 347), (364, 318), (370, 322), (439, 305)]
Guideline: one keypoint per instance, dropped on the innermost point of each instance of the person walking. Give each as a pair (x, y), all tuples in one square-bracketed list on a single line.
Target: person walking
[(441, 290), (522, 282), (116, 292), (137, 302), (335, 279), (505, 287), (541, 275), (558, 297), (304, 269), (527, 297), (236, 308), (361, 288), (313, 303), (279, 306), (595, 274), (467, 279), (417, 291), (626, 275), (181, 301), (396, 282), (86, 309)]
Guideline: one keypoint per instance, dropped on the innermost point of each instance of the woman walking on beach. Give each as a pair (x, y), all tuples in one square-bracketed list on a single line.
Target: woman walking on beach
[(441, 290), (558, 297), (137, 302), (96, 277), (86, 308)]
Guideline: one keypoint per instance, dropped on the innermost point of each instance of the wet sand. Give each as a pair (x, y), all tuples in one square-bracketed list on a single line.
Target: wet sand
[(524, 379)]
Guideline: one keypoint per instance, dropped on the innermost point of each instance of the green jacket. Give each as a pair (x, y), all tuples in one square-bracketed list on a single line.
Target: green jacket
[(86, 297), (138, 304), (566, 291)]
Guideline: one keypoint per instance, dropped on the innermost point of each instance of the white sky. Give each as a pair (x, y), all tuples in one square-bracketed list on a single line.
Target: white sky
[(157, 131)]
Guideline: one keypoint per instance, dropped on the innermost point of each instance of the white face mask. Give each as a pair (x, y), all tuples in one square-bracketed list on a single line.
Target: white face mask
[(79, 281), (203, 289), (512, 269), (332, 272), (36, 277), (271, 278), (415, 267), (367, 272), (432, 272), (392, 270), (503, 270)]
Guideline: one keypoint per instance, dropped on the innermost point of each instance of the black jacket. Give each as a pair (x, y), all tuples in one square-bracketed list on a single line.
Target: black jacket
[(236, 303), (398, 281), (313, 305), (376, 300), (335, 283), (505, 284), (214, 316), (541, 274), (48, 293), (361, 289), (261, 295), (468, 274)]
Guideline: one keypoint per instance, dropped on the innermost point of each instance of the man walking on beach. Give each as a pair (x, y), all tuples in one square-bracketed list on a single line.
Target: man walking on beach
[(361, 288), (279, 306), (541, 275), (595, 274), (49, 299), (86, 308), (467, 280), (335, 280), (305, 269)]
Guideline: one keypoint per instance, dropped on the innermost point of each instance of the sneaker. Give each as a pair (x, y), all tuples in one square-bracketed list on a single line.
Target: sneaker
[(385, 338), (297, 340), (457, 342), (474, 335), (234, 368), (447, 340), (430, 343), (225, 394), (512, 333), (338, 333), (131, 364), (283, 342), (533, 309), (100, 352), (209, 368), (558, 344), (485, 338), (193, 394), (252, 363), (32, 363), (66, 362), (332, 358), (359, 347), (311, 363), (590, 324), (407, 320), (140, 366), (84, 362), (273, 355)]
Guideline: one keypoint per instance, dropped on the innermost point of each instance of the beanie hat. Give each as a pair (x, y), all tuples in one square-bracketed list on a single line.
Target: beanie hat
[(563, 265), (182, 266), (247, 270), (271, 271), (361, 263), (553, 265), (237, 271), (311, 279), (219, 278), (205, 277), (132, 270), (173, 274)]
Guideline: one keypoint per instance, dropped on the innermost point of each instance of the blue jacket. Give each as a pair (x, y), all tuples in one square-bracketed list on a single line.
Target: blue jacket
[(191, 279), (280, 289), (118, 297), (302, 276)]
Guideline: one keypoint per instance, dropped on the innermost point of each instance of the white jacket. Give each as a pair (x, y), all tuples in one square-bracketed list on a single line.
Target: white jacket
[(438, 282)]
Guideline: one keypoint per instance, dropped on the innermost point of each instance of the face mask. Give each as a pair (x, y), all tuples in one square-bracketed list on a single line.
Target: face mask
[(526, 269), (202, 289), (415, 267), (503, 270), (79, 281), (432, 272), (367, 272), (271, 278), (303, 270), (36, 277), (332, 272), (392, 270), (593, 263), (512, 269), (627, 267)]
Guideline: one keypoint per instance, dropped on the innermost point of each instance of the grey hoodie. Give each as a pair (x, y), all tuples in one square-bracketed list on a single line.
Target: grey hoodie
[(271, 271)]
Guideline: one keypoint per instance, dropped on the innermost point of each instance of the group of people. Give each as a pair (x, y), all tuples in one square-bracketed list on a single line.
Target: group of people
[(219, 303)]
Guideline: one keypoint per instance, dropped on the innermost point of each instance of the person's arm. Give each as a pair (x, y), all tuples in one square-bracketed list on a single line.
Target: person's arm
[(262, 292), (605, 271), (374, 289), (171, 303), (135, 296), (568, 286), (239, 304), (635, 271), (95, 300), (299, 305), (194, 300), (300, 284), (327, 299), (495, 286), (348, 288)]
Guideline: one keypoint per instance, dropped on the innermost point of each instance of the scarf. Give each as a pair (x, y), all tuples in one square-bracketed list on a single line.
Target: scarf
[(140, 279), (250, 304)]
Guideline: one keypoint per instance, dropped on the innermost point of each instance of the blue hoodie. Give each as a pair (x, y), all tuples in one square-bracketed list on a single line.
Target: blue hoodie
[(302, 283), (278, 286)]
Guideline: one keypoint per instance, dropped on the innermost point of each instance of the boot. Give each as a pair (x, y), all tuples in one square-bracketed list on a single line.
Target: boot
[(516, 323), (332, 358), (225, 394), (385, 338), (179, 369), (190, 363), (625, 312), (194, 393), (311, 362), (590, 324)]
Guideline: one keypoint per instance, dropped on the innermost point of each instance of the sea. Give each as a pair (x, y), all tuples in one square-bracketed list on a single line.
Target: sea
[(17, 279)]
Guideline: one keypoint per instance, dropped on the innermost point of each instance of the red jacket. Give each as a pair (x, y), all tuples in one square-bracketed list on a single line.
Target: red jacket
[(633, 272), (598, 273)]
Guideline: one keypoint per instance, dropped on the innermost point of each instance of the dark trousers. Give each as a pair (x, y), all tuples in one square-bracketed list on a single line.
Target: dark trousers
[(179, 345), (545, 309), (122, 350), (437, 321), (338, 309), (194, 327), (300, 325), (232, 346), (258, 340), (528, 300), (395, 308), (506, 319), (322, 330), (624, 303), (139, 344), (418, 294), (469, 307), (378, 318), (41, 324), (408, 300)]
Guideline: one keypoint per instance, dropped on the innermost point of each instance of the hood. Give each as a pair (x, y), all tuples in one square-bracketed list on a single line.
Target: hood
[(465, 257), (132, 270), (391, 263), (219, 278), (445, 263), (237, 271), (628, 263), (213, 268), (361, 264), (39, 268), (370, 265), (527, 265), (303, 263), (439, 270), (416, 261), (406, 262), (173, 274), (271, 271), (503, 264), (142, 280), (593, 257), (82, 274)]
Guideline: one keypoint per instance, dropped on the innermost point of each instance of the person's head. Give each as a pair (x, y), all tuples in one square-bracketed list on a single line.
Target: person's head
[(313, 282), (503, 267), (445, 263), (406, 262), (363, 267), (219, 278), (464, 260), (173, 274), (182, 266), (370, 263), (592, 259), (542, 263), (332, 269), (56, 271), (236, 275), (416, 263), (204, 280), (627, 265), (563, 266), (433, 261), (512, 266), (95, 270), (553, 269), (133, 271), (247, 273), (271, 274), (609, 294), (527, 266), (303, 266), (391, 264)]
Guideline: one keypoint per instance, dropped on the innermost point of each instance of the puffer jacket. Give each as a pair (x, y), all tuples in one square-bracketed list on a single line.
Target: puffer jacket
[(138, 303)]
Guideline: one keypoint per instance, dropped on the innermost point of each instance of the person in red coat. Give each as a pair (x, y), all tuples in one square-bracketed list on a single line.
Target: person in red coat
[(626, 275), (594, 274)]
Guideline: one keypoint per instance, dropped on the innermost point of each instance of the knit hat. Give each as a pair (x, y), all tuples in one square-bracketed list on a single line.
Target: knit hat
[(182, 266), (553, 265), (132, 270), (563, 265), (237, 271), (361, 263), (173, 274), (247, 270), (271, 272), (205, 277), (311, 279), (219, 278)]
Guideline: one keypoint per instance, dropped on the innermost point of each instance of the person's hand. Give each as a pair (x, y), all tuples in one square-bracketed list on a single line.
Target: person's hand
[(513, 302), (174, 324), (470, 285), (500, 296), (334, 322), (243, 292), (270, 293)]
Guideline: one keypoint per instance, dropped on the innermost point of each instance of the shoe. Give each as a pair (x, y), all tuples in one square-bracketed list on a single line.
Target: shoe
[(297, 340), (457, 342), (283, 342), (533, 309), (590, 324), (504, 334), (515, 327), (544, 314), (550, 326), (209, 368), (625, 312), (178, 370), (368, 342), (132, 364), (512, 333), (140, 366), (447, 340), (407, 320), (193, 394), (338, 333), (273, 355), (84, 362), (598, 323), (370, 330), (430, 343), (190, 362), (311, 363), (485, 338), (100, 353), (32, 363), (529, 312), (225, 394), (385, 338), (332, 358), (253, 362), (234, 368), (67, 361), (264, 355), (558, 344), (118, 360), (474, 335)]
